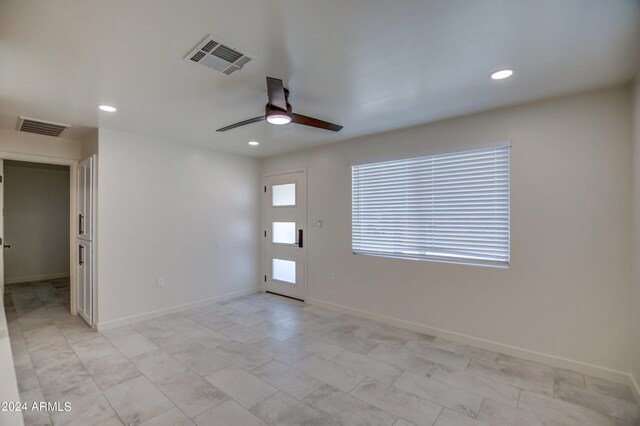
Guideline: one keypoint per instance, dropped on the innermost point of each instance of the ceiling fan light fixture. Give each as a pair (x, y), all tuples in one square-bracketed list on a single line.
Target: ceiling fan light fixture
[(279, 118)]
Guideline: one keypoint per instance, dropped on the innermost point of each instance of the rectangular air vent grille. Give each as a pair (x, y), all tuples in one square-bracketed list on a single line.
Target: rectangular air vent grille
[(219, 56), (41, 127), (231, 69), (198, 56), (207, 47)]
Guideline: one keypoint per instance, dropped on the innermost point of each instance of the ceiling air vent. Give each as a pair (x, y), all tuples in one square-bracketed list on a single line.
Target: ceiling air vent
[(219, 56), (41, 127)]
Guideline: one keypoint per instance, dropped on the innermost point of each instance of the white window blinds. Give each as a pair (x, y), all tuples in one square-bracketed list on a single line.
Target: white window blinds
[(448, 207)]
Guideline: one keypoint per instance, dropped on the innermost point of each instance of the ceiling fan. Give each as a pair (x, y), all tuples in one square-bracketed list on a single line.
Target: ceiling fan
[(279, 111)]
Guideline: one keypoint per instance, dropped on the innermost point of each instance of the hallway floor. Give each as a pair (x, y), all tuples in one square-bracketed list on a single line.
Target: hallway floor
[(263, 359)]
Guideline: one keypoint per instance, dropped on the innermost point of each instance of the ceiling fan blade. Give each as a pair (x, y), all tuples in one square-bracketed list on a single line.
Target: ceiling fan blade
[(314, 122), (241, 123), (275, 90)]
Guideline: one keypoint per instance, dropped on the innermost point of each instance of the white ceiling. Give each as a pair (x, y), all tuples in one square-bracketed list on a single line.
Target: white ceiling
[(370, 65)]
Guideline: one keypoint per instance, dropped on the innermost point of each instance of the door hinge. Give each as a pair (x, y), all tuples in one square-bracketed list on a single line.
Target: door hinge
[(0, 178), (265, 188), (265, 278), (265, 234)]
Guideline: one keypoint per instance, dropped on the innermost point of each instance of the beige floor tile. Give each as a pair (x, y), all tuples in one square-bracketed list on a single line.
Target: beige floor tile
[(440, 393), (453, 418), (191, 393), (158, 365), (329, 372), (275, 357), (398, 402), (137, 400), (243, 387), (315, 346), (346, 409), (59, 377), (226, 414), (112, 370), (242, 355), (440, 356), (479, 385), (465, 350), (368, 366), (609, 388), (555, 411), (287, 353), (496, 413), (88, 406), (90, 349), (404, 360), (281, 409), (241, 334), (289, 380), (133, 345), (173, 417), (201, 360), (512, 375), (615, 407)]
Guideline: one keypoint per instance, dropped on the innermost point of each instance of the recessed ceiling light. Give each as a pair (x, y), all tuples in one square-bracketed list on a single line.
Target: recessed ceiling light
[(254, 143), (500, 74), (107, 108)]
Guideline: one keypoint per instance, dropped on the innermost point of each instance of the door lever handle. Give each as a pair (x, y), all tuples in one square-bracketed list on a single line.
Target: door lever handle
[(300, 243), (7, 246)]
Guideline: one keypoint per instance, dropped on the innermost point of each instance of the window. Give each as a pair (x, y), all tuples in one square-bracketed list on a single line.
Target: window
[(449, 207), (283, 195)]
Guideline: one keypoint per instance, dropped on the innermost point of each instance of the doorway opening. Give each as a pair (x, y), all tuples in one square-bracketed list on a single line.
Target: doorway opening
[(37, 201)]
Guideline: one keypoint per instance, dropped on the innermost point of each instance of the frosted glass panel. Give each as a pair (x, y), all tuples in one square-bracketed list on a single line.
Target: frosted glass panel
[(284, 195), (283, 270), (284, 232)]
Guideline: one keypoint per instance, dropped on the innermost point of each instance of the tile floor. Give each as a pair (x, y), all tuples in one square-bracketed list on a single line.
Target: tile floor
[(264, 359)]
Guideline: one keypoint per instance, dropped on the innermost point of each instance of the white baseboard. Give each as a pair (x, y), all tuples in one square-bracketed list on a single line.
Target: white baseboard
[(172, 310), (552, 360), (33, 278)]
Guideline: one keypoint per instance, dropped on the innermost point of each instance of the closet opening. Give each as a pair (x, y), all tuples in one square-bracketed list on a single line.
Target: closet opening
[(37, 238)]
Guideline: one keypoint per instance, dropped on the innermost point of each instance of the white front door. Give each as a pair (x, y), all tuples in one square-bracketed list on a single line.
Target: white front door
[(285, 208)]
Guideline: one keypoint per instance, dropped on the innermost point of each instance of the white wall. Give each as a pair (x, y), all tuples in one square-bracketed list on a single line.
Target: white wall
[(635, 325), (89, 144), (13, 141), (36, 222), (566, 294), (161, 208)]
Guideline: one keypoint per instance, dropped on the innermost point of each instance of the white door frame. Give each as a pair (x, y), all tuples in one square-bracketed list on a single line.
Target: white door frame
[(265, 225), (73, 165)]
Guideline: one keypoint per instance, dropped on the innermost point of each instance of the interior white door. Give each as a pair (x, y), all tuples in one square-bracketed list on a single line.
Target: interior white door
[(285, 215), (85, 199), (85, 234), (85, 273)]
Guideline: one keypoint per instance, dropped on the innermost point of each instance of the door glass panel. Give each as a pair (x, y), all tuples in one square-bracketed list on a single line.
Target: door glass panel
[(284, 195), (284, 233), (283, 270)]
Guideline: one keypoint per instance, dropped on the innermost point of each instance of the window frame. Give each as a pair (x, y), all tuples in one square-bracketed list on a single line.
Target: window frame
[(447, 259)]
